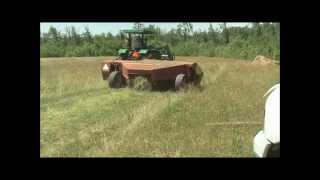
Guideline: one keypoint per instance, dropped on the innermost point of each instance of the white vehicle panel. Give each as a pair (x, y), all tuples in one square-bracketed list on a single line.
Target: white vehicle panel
[(272, 115)]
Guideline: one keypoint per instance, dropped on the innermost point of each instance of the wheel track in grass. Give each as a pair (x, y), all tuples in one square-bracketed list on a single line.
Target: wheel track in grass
[(145, 113)]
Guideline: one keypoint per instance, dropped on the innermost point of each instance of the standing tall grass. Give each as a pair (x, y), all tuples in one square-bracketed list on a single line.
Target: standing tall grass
[(82, 116)]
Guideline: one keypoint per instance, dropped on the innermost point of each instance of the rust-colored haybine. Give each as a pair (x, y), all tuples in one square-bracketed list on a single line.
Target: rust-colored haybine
[(155, 70)]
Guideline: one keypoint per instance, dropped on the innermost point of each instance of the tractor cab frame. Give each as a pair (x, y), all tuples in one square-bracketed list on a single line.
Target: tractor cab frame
[(137, 48)]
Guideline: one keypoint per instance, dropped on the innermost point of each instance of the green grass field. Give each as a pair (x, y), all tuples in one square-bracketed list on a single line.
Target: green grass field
[(82, 117)]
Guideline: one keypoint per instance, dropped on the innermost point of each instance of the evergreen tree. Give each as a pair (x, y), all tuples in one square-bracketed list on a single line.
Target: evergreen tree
[(87, 35)]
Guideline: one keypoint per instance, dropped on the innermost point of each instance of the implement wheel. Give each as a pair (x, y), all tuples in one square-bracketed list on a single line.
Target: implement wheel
[(115, 79), (180, 82)]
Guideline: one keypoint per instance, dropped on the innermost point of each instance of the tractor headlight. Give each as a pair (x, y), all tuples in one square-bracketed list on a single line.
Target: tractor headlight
[(105, 68)]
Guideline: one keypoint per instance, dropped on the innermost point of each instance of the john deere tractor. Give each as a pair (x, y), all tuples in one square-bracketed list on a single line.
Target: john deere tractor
[(137, 47)]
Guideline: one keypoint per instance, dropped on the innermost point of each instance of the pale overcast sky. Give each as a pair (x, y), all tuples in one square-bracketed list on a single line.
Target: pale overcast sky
[(98, 28)]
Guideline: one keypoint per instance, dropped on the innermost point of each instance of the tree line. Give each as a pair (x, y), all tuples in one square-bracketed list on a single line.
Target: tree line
[(229, 42)]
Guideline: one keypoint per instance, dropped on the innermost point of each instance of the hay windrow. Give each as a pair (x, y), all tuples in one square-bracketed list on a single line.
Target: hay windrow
[(262, 60)]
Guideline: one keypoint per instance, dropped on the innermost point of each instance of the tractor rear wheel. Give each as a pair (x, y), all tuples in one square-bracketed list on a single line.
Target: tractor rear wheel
[(173, 57), (149, 56), (122, 57), (115, 79), (180, 81)]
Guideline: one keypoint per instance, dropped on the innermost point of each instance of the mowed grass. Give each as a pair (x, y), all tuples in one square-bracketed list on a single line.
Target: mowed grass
[(82, 117)]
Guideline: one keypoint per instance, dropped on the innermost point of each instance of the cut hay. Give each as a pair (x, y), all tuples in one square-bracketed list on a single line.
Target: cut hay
[(262, 60)]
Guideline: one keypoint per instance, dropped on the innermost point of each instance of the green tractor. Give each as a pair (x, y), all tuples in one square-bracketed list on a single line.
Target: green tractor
[(137, 47)]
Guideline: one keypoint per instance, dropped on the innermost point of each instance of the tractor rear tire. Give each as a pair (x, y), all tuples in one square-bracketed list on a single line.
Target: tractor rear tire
[(149, 56), (180, 82), (115, 79), (122, 58)]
